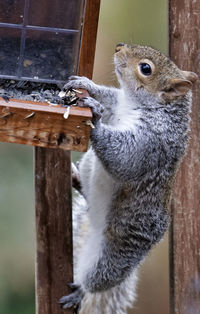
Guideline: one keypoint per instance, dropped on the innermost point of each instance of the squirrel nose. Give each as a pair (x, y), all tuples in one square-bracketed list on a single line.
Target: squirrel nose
[(119, 47)]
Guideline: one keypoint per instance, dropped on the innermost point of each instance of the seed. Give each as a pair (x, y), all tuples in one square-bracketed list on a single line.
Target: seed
[(62, 94), (29, 115), (66, 114), (89, 122)]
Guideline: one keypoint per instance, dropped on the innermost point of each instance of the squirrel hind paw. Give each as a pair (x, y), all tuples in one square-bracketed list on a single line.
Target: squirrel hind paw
[(72, 300)]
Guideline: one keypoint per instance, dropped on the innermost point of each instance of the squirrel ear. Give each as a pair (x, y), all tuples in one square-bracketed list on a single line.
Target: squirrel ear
[(179, 87), (190, 76), (176, 87)]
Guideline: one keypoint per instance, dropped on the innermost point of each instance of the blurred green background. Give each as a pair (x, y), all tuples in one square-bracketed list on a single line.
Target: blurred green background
[(130, 21)]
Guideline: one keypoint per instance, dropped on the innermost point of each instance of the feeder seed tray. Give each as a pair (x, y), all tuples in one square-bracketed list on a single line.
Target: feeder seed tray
[(40, 47)]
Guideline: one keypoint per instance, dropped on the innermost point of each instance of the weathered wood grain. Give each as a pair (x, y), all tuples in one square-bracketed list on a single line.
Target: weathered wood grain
[(40, 124), (88, 43), (184, 47), (53, 228)]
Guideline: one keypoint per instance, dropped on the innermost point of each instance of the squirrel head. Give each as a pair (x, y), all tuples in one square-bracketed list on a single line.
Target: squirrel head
[(144, 69)]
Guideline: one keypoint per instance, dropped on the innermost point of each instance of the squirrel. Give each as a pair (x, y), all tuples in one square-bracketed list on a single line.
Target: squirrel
[(127, 175)]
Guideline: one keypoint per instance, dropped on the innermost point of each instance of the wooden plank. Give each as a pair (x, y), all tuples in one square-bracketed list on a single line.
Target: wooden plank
[(88, 43), (184, 47), (53, 228), (40, 124), (45, 107)]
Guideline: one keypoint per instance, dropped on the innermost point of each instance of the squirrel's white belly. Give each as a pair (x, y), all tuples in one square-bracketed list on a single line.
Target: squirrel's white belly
[(97, 187), (99, 194)]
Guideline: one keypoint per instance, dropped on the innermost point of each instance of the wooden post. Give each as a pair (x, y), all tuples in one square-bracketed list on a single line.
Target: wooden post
[(53, 198), (184, 47), (88, 44), (53, 228)]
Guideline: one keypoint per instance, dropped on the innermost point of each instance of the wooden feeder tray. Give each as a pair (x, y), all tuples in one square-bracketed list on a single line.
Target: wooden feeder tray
[(44, 125)]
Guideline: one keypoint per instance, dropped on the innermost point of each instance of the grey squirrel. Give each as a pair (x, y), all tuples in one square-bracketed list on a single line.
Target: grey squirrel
[(127, 175)]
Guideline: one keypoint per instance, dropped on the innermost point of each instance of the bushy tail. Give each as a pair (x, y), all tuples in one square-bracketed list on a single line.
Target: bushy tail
[(112, 301)]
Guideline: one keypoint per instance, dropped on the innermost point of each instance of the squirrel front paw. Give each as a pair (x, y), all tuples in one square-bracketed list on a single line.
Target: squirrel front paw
[(94, 105), (80, 82), (73, 300)]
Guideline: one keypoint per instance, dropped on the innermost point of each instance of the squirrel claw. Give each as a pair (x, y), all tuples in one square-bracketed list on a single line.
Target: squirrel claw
[(73, 286), (79, 82), (72, 300), (94, 105)]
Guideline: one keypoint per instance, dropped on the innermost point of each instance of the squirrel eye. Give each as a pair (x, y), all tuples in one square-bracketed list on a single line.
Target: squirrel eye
[(145, 68)]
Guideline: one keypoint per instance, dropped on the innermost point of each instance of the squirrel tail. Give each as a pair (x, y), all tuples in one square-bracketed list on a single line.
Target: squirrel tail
[(114, 300)]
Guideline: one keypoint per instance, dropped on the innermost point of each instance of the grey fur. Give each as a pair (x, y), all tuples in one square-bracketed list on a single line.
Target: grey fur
[(142, 162)]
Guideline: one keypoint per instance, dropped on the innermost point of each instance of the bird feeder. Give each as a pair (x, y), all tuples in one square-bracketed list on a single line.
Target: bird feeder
[(42, 43)]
